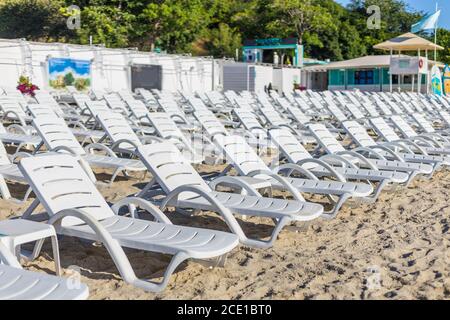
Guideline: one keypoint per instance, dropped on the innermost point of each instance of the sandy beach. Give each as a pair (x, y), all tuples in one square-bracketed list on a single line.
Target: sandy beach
[(397, 248)]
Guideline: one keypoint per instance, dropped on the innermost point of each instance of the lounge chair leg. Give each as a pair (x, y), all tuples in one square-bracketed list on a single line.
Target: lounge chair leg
[(333, 213), (376, 193), (4, 191), (412, 176)]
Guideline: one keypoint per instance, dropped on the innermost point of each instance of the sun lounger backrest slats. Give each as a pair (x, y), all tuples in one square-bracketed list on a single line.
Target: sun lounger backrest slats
[(384, 130), (165, 126), (55, 133), (403, 126), (170, 168), (358, 134), (289, 146), (96, 107), (325, 138), (248, 119), (117, 128), (41, 110), (210, 124), (272, 116), (13, 107), (138, 108), (240, 154), (298, 115), (446, 117), (423, 123), (60, 183)]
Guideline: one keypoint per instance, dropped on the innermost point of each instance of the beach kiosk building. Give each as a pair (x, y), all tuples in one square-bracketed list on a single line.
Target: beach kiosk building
[(380, 72)]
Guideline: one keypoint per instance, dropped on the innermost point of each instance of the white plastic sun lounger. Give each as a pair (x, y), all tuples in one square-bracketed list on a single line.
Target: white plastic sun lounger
[(58, 137), (185, 188), (374, 159), (295, 154), (77, 209), (248, 164), (19, 284), (408, 150), (430, 145)]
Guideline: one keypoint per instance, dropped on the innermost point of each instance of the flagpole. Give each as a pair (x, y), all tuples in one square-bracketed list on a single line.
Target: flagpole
[(435, 35)]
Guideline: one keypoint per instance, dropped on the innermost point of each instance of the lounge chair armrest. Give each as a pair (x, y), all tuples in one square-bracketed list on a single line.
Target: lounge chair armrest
[(225, 212), (384, 148), (19, 128), (400, 145), (334, 157), (360, 157), (291, 168), (99, 147), (16, 116), (150, 139), (117, 144), (235, 181), (295, 193), (179, 117), (19, 155), (144, 204), (64, 148), (370, 151), (324, 165), (427, 141), (414, 145)]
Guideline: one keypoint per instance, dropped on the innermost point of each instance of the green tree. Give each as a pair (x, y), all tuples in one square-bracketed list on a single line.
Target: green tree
[(39, 20), (223, 41), (299, 17), (69, 79)]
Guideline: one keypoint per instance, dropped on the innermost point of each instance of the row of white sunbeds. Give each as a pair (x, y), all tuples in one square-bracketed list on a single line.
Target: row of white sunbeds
[(58, 144)]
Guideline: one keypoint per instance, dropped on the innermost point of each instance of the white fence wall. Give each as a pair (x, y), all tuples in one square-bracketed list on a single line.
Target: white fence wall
[(110, 67)]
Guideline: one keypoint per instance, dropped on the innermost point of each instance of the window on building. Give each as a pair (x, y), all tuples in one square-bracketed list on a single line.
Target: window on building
[(364, 77)]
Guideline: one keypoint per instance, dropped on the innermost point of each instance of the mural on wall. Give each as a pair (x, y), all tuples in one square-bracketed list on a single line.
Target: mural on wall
[(446, 80), (436, 81), (66, 72)]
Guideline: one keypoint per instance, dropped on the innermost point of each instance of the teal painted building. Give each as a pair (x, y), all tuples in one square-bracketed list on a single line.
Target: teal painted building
[(369, 73)]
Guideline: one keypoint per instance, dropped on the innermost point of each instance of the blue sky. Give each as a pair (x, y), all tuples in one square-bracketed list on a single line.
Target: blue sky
[(426, 6)]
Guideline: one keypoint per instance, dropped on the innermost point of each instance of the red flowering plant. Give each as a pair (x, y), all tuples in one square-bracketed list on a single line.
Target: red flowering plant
[(26, 87)]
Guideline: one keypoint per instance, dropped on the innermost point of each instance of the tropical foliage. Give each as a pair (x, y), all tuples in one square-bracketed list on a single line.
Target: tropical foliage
[(213, 27)]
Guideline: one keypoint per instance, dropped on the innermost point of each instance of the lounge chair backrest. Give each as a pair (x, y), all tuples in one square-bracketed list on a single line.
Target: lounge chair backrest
[(147, 95), (290, 147), (97, 107), (60, 183), (210, 124), (298, 115), (170, 106), (170, 168), (336, 112), (247, 119), (138, 108), (117, 128), (358, 134), (115, 103), (81, 99), (355, 111), (325, 138), (384, 130), (394, 106), (55, 133), (406, 106), (197, 104), (403, 126), (446, 117), (371, 110), (423, 123), (165, 126), (41, 110), (272, 116), (238, 152), (383, 107)]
